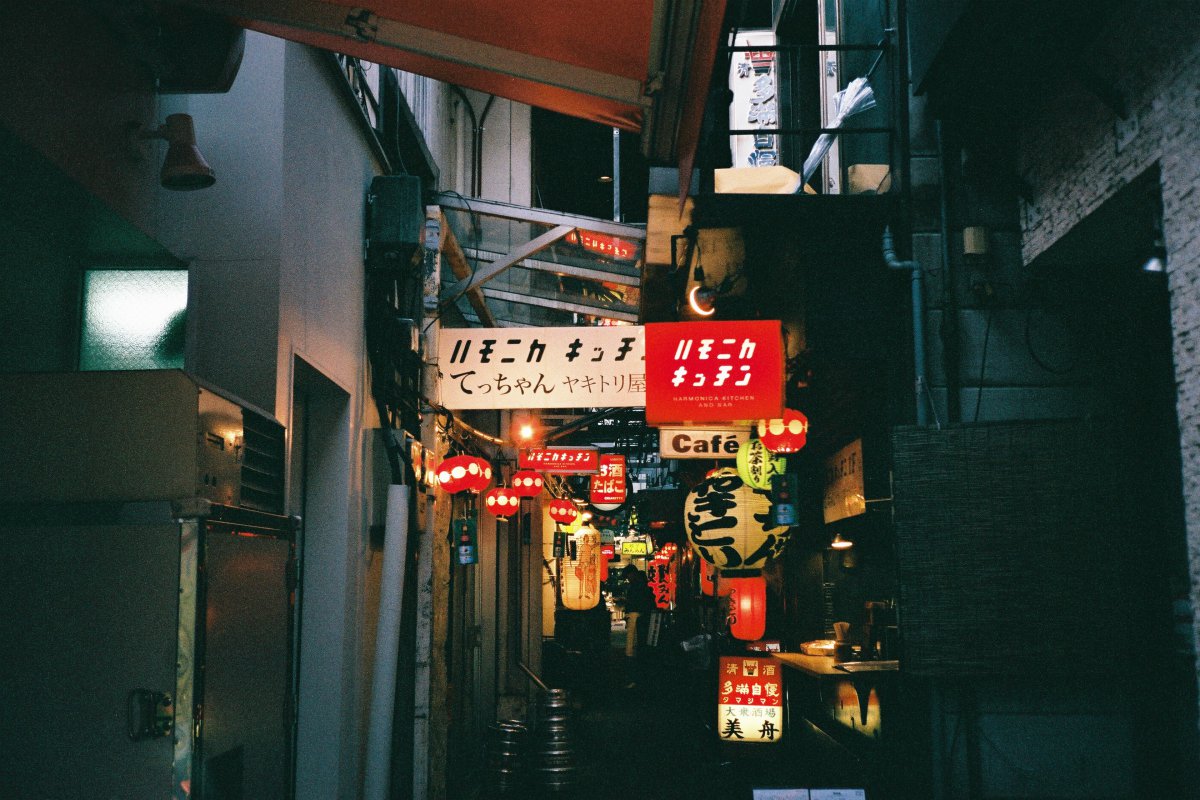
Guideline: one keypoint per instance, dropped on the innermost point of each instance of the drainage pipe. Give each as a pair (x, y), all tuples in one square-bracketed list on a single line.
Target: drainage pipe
[(377, 772), (918, 323)]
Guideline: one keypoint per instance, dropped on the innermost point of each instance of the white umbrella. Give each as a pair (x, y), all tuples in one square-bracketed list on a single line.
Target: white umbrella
[(857, 96)]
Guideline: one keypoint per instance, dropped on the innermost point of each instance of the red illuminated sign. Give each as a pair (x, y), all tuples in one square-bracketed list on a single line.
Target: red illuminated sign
[(604, 245), (608, 484), (563, 460), (713, 371), (750, 699)]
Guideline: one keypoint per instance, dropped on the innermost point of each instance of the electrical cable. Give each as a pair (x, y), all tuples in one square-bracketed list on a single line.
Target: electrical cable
[(987, 332)]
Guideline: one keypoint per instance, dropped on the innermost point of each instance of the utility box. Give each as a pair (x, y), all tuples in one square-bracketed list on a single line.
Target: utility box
[(81, 437), (395, 222)]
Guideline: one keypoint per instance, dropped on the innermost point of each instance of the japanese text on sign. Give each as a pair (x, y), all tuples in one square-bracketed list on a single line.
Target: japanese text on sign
[(570, 460), (713, 371), (542, 367), (608, 485), (750, 700)]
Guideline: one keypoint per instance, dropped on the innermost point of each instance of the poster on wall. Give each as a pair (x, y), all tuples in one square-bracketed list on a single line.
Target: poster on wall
[(845, 492), (750, 699), (570, 367), (706, 372)]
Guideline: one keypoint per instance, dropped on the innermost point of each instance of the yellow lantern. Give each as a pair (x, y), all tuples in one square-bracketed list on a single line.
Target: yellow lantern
[(756, 465), (579, 578), (729, 524)]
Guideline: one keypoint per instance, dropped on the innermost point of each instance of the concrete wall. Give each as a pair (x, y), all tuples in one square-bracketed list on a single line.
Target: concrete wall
[(1077, 154), (274, 254)]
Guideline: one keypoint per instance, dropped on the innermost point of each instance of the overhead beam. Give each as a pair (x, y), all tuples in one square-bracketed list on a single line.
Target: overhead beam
[(542, 216), (462, 270), (630, 276), (627, 314), (363, 25), (512, 259)]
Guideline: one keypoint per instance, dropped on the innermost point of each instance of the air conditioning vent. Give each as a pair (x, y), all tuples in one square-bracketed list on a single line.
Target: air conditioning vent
[(262, 464)]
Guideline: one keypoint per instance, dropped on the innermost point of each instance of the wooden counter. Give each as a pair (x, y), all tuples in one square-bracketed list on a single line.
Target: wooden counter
[(817, 666)]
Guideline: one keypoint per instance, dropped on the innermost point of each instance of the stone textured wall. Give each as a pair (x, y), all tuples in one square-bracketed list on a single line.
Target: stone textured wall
[(1077, 153)]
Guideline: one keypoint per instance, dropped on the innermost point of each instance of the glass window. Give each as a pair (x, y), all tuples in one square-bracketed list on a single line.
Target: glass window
[(133, 319)]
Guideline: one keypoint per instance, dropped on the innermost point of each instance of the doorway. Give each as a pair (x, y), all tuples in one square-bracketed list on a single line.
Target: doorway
[(326, 752)]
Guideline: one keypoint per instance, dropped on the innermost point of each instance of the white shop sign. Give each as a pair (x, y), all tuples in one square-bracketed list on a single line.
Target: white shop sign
[(701, 442), (584, 367)]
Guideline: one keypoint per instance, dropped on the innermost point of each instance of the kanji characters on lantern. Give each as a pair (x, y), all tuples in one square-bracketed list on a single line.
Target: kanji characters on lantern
[(728, 523), (748, 607)]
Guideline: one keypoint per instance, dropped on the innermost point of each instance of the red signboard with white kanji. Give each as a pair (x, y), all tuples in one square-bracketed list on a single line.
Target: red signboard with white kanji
[(562, 460), (713, 371), (750, 699), (608, 484)]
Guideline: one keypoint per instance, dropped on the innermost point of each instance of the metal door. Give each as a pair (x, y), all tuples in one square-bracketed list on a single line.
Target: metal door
[(243, 691)]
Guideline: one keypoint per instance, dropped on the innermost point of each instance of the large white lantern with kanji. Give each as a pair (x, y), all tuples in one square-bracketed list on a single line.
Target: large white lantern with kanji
[(579, 577), (728, 524)]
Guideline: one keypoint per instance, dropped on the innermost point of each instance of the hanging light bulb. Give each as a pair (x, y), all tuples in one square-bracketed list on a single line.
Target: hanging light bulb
[(839, 543)]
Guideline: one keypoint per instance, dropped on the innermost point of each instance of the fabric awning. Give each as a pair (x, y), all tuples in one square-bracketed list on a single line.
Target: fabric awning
[(639, 65)]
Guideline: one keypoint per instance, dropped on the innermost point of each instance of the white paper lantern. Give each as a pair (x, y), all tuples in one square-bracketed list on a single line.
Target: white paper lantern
[(728, 523), (580, 577)]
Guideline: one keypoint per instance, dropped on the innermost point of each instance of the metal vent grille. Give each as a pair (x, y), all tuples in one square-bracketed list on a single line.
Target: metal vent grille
[(262, 464)]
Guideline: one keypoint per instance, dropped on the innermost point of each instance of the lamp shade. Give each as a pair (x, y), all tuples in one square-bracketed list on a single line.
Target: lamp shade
[(729, 523), (563, 511), (748, 608), (756, 465), (528, 483), (711, 584), (453, 475), (580, 576), (501, 501), (788, 434)]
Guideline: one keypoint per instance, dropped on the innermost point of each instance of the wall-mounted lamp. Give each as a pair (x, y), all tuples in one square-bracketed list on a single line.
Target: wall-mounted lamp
[(183, 168), (1156, 259), (702, 300)]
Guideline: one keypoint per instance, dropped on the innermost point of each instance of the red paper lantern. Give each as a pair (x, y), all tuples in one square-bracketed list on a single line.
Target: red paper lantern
[(563, 511), (502, 502), (711, 581), (748, 608), (528, 483), (453, 474), (479, 473), (786, 435)]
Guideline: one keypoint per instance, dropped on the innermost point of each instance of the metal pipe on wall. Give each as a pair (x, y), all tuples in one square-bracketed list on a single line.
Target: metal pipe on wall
[(950, 321), (918, 324), (377, 770)]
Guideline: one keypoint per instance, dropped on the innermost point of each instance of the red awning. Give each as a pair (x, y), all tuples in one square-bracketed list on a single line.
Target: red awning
[(616, 62)]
